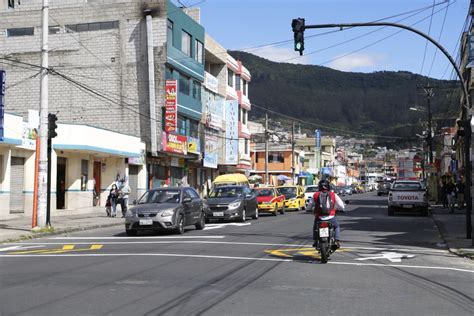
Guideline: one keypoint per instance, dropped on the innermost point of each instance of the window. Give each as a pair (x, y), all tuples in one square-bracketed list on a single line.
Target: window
[(196, 90), (186, 43), (84, 174), (198, 52), (246, 146), (184, 84), (237, 82), (230, 78), (95, 26), (22, 31), (276, 157), (256, 157), (169, 33), (244, 116), (54, 29), (168, 73), (181, 128), (245, 87), (193, 129), (193, 194)]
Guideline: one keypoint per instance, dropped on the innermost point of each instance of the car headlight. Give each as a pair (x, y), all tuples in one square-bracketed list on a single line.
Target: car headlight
[(167, 213), (130, 214), (235, 204)]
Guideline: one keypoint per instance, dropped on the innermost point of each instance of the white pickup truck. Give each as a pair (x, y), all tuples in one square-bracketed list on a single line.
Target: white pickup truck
[(407, 195)]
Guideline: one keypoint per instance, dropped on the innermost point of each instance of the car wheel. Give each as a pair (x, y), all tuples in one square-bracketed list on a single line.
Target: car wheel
[(131, 232), (207, 220), (201, 222), (180, 225), (275, 210), (242, 216), (256, 214)]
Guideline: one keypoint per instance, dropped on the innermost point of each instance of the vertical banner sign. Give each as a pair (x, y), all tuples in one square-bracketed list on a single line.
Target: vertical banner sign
[(231, 132), (2, 102), (171, 106), (211, 155), (470, 55), (317, 134)]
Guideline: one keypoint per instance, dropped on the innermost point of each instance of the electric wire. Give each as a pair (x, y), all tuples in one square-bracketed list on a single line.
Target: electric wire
[(439, 40), (426, 43)]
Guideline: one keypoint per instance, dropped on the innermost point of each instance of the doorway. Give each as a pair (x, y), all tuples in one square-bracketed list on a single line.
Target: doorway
[(61, 184), (133, 182), (96, 175), (17, 195)]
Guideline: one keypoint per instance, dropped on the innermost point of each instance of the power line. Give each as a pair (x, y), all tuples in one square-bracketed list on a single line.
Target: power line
[(439, 40), (426, 44)]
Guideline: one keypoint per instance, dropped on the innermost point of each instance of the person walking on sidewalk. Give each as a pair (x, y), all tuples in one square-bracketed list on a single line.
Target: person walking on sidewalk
[(451, 195), (444, 197), (114, 194), (460, 192), (124, 193)]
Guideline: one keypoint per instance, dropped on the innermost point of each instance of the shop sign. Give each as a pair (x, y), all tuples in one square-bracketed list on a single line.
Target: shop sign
[(231, 132), (137, 160), (213, 110), (211, 155), (194, 146), (171, 106), (211, 82), (317, 135), (175, 143)]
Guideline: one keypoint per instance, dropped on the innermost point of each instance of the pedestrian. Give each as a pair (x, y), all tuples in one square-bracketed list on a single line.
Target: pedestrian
[(108, 206), (124, 193), (451, 195), (460, 191), (113, 195), (444, 197)]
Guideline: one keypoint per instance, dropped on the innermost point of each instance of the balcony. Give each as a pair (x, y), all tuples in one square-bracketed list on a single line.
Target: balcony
[(244, 131), (243, 100), (231, 93)]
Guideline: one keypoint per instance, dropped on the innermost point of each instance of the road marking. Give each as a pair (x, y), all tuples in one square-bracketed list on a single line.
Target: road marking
[(357, 264), (391, 256), (139, 237), (18, 248), (68, 247), (305, 251), (216, 226), (64, 249)]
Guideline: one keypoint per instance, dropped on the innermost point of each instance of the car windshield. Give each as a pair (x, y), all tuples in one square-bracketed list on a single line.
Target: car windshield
[(161, 196), (311, 189), (288, 192), (264, 192), (408, 186), (223, 192)]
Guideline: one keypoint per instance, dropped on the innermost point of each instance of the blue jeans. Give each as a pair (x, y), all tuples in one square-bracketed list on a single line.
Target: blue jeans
[(114, 207), (334, 223)]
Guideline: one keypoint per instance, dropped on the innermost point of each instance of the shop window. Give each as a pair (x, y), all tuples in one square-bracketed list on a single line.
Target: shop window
[(169, 33), (84, 174), (198, 54), (186, 43)]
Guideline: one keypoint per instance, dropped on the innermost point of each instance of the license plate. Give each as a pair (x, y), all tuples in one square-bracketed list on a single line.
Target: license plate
[(267, 203), (407, 206), (324, 232), (218, 214), (146, 222)]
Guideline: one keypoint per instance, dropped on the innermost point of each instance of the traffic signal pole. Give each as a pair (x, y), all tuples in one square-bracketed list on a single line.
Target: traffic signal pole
[(298, 27)]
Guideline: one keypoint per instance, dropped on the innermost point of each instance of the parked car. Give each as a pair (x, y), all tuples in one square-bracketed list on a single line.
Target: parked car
[(407, 195), (270, 201), (309, 191), (231, 202), (294, 197), (384, 188), (340, 190), (169, 209)]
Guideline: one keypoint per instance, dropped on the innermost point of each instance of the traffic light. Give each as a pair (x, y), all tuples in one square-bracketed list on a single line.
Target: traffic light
[(298, 31), (52, 125)]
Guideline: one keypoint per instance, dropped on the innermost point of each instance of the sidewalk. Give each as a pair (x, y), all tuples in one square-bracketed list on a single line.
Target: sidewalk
[(453, 230), (62, 221)]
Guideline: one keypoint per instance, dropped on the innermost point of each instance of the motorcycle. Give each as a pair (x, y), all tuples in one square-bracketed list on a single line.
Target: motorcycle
[(326, 242)]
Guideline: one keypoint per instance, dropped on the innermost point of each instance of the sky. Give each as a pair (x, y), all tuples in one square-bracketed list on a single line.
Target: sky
[(245, 24)]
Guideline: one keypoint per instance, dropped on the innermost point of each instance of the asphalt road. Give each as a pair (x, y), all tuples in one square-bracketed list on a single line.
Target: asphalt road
[(386, 266)]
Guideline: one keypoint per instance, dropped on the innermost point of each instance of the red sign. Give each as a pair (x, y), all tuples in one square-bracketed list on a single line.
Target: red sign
[(171, 106), (175, 143)]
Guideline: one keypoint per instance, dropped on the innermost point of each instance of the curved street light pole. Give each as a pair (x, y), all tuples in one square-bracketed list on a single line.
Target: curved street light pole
[(465, 113)]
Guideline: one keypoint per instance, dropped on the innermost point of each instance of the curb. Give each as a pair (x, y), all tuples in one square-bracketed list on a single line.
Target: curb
[(59, 232), (454, 251)]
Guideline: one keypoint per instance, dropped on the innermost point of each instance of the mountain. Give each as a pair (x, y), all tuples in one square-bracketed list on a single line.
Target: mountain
[(372, 103)]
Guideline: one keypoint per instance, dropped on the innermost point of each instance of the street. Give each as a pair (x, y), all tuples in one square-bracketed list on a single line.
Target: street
[(386, 265)]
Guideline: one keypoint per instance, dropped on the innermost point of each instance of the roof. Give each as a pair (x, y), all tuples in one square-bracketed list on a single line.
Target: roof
[(232, 177)]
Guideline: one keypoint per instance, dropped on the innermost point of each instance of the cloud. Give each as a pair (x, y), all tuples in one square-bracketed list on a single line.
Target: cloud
[(281, 54), (356, 61)]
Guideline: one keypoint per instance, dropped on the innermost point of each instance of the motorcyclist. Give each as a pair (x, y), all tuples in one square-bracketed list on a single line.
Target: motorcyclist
[(336, 204)]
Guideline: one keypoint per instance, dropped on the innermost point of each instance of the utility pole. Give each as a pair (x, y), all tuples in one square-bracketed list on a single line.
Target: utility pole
[(43, 132), (429, 94), (293, 152), (266, 149)]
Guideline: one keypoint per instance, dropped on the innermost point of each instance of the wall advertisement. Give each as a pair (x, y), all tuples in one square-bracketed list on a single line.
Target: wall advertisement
[(175, 143), (194, 146), (213, 110), (231, 132), (211, 152), (171, 106)]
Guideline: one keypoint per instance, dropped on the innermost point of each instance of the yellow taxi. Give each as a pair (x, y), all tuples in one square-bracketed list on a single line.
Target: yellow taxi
[(294, 196), (270, 201)]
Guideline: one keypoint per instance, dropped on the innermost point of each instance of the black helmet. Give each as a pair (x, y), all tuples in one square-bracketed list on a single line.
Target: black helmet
[(324, 185)]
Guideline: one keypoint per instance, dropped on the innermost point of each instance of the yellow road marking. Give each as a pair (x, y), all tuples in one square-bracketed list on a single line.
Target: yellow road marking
[(305, 251), (65, 248), (312, 253)]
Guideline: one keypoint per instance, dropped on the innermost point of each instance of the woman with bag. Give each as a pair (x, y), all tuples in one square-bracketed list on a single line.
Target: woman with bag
[(113, 195)]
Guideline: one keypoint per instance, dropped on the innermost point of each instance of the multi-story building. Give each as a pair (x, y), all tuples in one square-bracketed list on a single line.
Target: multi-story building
[(312, 155)]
